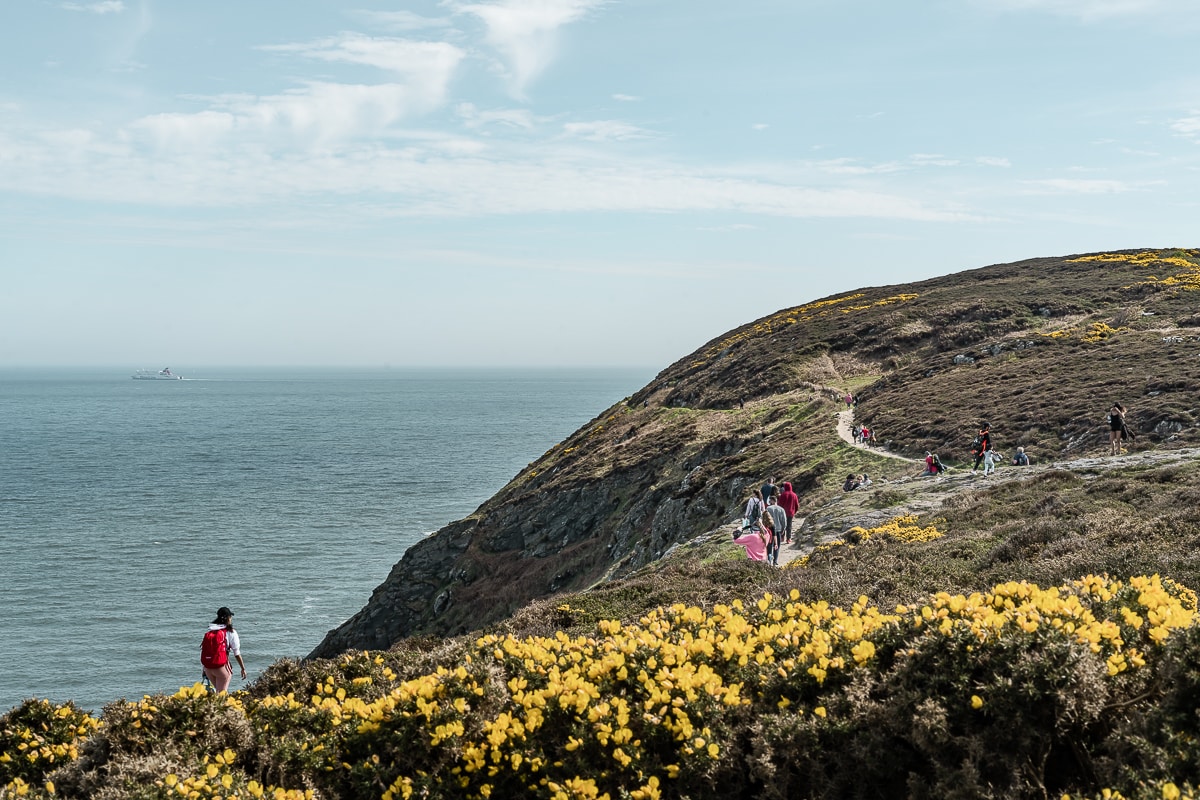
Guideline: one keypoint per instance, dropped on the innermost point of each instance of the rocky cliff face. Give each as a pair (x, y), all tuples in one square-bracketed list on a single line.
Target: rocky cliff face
[(1032, 347)]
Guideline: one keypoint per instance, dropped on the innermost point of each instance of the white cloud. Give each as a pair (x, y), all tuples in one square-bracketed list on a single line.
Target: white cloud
[(421, 60), (510, 117), (402, 20), (760, 126), (438, 176), (320, 114), (993, 161), (103, 7), (605, 131), (933, 160), (525, 32), (1188, 126), (1089, 10), (626, 98), (850, 166), (1079, 186), (734, 227)]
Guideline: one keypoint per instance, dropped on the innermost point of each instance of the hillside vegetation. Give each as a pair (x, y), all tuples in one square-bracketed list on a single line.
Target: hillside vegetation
[(1031, 634), (1040, 349)]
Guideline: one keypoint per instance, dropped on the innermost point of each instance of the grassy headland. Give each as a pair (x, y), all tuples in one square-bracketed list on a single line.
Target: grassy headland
[(1027, 635)]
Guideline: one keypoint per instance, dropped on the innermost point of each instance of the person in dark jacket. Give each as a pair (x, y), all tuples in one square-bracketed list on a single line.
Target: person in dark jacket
[(769, 490), (982, 443), (789, 501)]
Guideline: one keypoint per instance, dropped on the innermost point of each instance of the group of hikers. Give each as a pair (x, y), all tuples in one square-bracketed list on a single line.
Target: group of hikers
[(766, 523), (984, 453)]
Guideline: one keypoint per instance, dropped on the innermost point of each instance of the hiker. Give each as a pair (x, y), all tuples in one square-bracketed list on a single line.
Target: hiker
[(755, 542), (930, 468), (990, 459), (769, 489), (849, 398), (754, 511), (856, 432), (864, 481), (868, 436), (1116, 428), (1020, 459), (851, 483), (220, 642), (789, 501), (981, 444), (776, 519)]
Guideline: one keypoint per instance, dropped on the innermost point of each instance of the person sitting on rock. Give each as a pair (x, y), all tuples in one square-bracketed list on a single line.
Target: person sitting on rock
[(1020, 459), (930, 467), (864, 481), (851, 483)]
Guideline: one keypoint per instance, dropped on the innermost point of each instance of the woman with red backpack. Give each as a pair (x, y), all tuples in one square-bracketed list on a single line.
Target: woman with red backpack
[(220, 642)]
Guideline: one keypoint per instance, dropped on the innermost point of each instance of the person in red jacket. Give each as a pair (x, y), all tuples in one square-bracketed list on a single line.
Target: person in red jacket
[(789, 501)]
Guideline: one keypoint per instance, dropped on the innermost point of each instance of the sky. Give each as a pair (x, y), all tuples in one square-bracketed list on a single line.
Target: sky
[(556, 182)]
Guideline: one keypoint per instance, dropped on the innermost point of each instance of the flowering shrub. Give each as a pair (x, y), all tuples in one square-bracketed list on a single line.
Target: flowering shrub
[(36, 738), (772, 692), (791, 316), (1098, 332), (1189, 278), (899, 529)]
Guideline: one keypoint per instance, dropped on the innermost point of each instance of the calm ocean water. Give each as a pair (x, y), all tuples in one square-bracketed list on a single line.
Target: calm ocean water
[(130, 510)]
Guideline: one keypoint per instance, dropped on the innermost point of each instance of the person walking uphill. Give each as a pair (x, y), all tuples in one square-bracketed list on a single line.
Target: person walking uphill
[(220, 642), (777, 523), (789, 501)]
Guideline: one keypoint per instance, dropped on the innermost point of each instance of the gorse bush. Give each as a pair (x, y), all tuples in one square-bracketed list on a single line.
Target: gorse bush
[(1020, 691)]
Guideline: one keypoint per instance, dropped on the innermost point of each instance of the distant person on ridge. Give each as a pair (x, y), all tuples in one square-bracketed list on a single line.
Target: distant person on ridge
[(220, 642), (778, 521), (789, 501), (1116, 428), (981, 444)]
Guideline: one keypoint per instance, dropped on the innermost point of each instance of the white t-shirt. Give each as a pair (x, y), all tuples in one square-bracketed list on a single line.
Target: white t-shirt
[(233, 644)]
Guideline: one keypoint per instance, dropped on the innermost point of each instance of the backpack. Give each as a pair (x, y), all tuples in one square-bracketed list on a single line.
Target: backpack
[(977, 444), (214, 650)]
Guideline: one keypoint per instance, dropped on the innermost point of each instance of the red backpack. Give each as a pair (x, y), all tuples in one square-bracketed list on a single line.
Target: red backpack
[(214, 649)]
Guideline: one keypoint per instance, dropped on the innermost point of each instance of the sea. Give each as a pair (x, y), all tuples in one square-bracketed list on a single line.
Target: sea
[(131, 510)]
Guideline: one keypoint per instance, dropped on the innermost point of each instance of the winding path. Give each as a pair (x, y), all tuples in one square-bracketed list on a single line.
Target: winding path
[(845, 421)]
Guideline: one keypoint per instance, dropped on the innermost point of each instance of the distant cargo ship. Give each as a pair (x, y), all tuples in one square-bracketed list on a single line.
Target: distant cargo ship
[(164, 374)]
